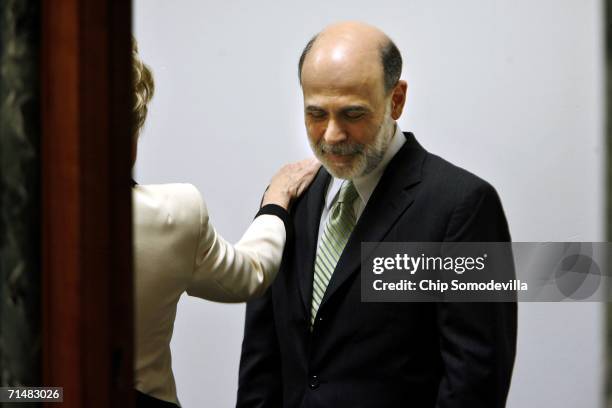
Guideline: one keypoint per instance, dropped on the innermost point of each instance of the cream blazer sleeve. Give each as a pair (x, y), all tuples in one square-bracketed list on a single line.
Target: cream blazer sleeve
[(235, 273)]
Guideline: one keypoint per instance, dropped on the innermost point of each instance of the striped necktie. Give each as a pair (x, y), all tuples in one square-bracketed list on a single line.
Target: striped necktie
[(335, 234)]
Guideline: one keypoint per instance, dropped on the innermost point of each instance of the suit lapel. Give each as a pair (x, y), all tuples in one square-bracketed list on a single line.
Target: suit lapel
[(394, 193), (307, 230)]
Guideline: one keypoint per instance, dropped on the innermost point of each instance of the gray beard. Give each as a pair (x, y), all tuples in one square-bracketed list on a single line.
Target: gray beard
[(368, 157)]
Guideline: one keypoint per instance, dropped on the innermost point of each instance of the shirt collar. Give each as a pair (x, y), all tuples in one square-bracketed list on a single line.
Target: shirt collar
[(365, 185)]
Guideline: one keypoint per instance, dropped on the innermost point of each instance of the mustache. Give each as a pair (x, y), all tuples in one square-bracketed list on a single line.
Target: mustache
[(346, 148)]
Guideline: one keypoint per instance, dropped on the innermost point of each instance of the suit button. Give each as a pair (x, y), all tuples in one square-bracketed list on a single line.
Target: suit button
[(314, 382)]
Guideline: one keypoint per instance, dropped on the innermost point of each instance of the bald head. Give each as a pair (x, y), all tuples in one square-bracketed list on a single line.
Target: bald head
[(352, 96), (344, 49)]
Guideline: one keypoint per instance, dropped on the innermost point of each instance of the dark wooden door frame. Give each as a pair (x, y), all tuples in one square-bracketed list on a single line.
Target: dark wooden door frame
[(86, 172)]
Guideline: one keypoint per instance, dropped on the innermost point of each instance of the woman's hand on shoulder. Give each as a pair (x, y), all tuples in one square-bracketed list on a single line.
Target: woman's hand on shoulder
[(290, 182)]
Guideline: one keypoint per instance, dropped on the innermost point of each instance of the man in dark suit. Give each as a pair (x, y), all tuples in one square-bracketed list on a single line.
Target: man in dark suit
[(310, 341)]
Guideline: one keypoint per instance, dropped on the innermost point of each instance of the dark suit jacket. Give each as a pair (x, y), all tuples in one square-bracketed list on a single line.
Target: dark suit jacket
[(382, 354)]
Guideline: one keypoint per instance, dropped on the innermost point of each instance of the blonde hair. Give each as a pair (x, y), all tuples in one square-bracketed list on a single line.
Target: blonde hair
[(144, 87)]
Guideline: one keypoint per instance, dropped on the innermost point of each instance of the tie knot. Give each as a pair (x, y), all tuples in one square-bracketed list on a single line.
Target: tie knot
[(348, 193)]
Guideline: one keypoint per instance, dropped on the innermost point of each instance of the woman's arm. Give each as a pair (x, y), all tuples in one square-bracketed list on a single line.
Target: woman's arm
[(227, 273)]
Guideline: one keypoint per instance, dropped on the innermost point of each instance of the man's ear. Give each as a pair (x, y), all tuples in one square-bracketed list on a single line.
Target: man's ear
[(398, 99)]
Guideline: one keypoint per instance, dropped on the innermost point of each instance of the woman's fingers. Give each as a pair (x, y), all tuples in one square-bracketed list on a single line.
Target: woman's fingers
[(305, 172), (291, 181)]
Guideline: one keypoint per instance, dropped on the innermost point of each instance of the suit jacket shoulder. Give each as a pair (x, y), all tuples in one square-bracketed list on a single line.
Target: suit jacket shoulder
[(468, 200), (457, 183)]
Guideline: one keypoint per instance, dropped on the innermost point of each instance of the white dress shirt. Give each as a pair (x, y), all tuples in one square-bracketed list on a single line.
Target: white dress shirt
[(176, 249)]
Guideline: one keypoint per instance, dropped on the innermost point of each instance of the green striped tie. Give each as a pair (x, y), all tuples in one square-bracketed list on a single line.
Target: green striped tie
[(336, 233)]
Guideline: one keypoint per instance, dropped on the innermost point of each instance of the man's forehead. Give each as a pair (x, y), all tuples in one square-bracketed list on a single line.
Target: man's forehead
[(339, 66), (337, 103), (341, 80), (340, 84), (340, 99), (343, 64)]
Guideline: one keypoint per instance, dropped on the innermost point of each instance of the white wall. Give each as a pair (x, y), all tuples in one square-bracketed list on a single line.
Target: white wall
[(509, 89)]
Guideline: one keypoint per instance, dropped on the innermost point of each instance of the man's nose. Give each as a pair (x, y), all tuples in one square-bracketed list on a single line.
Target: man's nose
[(334, 133)]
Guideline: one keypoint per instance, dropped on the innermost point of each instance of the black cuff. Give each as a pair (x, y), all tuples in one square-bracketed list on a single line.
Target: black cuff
[(147, 401), (280, 212)]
